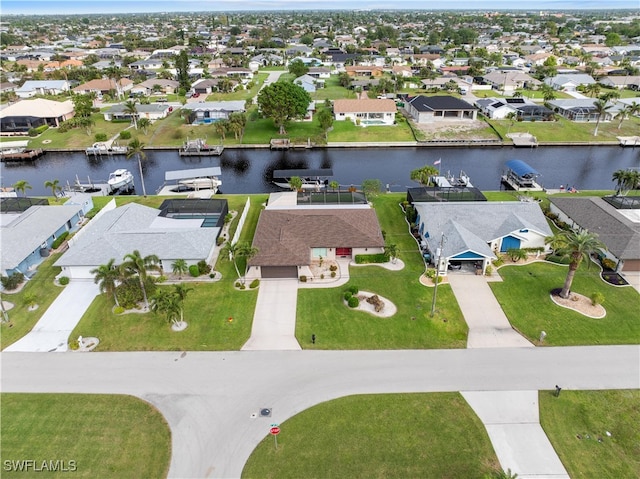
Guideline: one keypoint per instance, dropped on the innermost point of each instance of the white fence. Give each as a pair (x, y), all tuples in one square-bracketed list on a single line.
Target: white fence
[(243, 218)]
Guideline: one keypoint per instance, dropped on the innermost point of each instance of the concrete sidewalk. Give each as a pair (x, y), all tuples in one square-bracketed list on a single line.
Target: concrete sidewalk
[(511, 418), (274, 319), (52, 332)]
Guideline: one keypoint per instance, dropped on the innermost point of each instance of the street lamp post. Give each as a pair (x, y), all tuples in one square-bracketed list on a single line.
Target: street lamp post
[(435, 288)]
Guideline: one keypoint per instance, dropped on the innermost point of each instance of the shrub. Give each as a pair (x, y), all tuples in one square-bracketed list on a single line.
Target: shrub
[(430, 273), (30, 299), (254, 284), (371, 258), (12, 281), (347, 295), (212, 275), (101, 137), (499, 261), (322, 276), (411, 214), (161, 279), (354, 289), (608, 264), (237, 284), (219, 240), (353, 302), (488, 270), (597, 298), (227, 218), (303, 278), (203, 267), (333, 274), (333, 268), (242, 286), (125, 135), (58, 241), (91, 213), (118, 310), (73, 345), (129, 293), (194, 270), (63, 280), (65, 127)]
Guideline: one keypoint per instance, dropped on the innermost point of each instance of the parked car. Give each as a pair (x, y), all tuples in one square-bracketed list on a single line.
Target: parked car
[(195, 95), (455, 265)]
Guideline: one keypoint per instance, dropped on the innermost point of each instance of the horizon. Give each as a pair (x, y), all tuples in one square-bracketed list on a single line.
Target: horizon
[(79, 7)]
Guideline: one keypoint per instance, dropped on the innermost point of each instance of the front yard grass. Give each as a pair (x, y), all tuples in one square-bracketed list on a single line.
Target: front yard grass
[(107, 436), (21, 320), (321, 311), (524, 297), (576, 420), (347, 131), (376, 436)]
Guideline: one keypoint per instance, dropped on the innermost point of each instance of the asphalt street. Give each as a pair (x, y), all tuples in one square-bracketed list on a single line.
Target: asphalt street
[(211, 399)]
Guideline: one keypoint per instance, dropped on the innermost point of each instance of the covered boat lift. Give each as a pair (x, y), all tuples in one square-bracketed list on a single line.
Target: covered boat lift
[(521, 177)]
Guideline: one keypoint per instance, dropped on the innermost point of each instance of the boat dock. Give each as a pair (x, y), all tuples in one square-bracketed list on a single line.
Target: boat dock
[(101, 188), (184, 182), (279, 144), (629, 140), (521, 177), (522, 140), (199, 147), (107, 149), (24, 155)]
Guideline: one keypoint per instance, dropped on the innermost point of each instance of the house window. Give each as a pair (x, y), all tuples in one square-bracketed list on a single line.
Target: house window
[(318, 252)]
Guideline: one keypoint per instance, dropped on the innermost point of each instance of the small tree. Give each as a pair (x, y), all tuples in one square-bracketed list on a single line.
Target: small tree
[(334, 185), (371, 187), (55, 187), (21, 186), (136, 265), (106, 276), (235, 251), (144, 124), (391, 250), (516, 254), (295, 183), (423, 175), (179, 267)]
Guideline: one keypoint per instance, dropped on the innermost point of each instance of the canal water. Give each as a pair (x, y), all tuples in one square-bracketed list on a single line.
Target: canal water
[(249, 171)]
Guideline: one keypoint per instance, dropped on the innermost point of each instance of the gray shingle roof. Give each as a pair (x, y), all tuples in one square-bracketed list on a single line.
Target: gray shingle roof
[(285, 237), (128, 228), (28, 231), (619, 234)]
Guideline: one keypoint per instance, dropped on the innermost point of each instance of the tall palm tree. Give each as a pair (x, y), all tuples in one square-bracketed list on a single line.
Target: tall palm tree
[(131, 109), (577, 246), (106, 276), (136, 148), (167, 303), (235, 251), (180, 291), (628, 111), (144, 124), (601, 108), (22, 186), (295, 183), (179, 267), (548, 93), (135, 265), (54, 185), (620, 177), (423, 175)]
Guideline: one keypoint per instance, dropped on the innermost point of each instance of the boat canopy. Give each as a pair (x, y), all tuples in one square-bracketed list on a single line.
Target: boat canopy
[(521, 169), (303, 173), (193, 173)]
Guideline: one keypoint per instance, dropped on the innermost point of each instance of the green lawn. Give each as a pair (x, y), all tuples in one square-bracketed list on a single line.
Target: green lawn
[(378, 436), (207, 308), (564, 130), (322, 312), (524, 297), (21, 320), (105, 436), (347, 131), (590, 414), (77, 138)]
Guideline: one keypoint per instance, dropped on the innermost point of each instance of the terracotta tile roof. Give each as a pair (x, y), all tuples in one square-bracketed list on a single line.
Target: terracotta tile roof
[(364, 106), (285, 237)]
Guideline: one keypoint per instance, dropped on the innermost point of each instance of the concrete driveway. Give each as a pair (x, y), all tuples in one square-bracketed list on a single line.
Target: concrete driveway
[(52, 332), (209, 398)]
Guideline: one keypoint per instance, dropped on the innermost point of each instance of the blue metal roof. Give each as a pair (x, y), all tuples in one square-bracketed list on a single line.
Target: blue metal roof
[(521, 169)]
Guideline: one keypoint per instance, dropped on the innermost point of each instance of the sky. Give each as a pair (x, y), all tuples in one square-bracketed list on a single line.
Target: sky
[(30, 7)]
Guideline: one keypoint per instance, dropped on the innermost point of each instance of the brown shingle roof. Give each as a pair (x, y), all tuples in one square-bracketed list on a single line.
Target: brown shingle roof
[(364, 106), (285, 237)]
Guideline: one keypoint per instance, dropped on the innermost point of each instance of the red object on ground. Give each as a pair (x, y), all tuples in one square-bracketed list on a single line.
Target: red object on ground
[(274, 431)]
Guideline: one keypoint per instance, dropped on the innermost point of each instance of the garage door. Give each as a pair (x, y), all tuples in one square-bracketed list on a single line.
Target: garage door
[(631, 265), (279, 271)]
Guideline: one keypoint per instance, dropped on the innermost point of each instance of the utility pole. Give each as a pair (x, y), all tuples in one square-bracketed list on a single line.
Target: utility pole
[(435, 289)]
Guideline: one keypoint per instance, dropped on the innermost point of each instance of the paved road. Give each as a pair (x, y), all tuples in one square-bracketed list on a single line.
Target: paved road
[(208, 398)]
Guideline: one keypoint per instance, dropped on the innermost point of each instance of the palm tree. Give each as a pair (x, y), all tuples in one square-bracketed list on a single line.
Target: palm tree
[(136, 148), (334, 185), (511, 116), (144, 124), (105, 276), (295, 183), (221, 128), (180, 291), (620, 177), (22, 186), (577, 246), (392, 251), (235, 251), (55, 187), (423, 175), (628, 111), (135, 265), (179, 267), (548, 93), (593, 89), (601, 109), (131, 109), (167, 303)]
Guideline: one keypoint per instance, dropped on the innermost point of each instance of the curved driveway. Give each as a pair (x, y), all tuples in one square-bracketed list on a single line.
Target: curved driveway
[(209, 398)]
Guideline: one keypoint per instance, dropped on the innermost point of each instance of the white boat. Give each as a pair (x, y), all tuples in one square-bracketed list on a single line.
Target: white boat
[(104, 149), (311, 179), (202, 183), (450, 181), (120, 179)]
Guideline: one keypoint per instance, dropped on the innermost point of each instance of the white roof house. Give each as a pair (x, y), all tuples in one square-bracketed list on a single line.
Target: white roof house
[(42, 87), (122, 230), (39, 108), (569, 82)]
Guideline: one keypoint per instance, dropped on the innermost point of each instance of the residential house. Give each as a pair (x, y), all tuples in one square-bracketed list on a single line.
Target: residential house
[(265, 59), (362, 70), (443, 82), (206, 86), (475, 232), (402, 71), (428, 109), (151, 111), (290, 238), (510, 80), (631, 82), (583, 109), (366, 112), (569, 82), (28, 236), (156, 85), (618, 229), (212, 111), (116, 232), (31, 88), (307, 82), (524, 109), (149, 64), (104, 86), (319, 72), (539, 59), (27, 114)]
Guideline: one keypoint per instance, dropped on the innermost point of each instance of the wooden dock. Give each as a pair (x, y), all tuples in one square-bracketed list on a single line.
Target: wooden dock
[(26, 155), (204, 151), (280, 144), (629, 140)]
